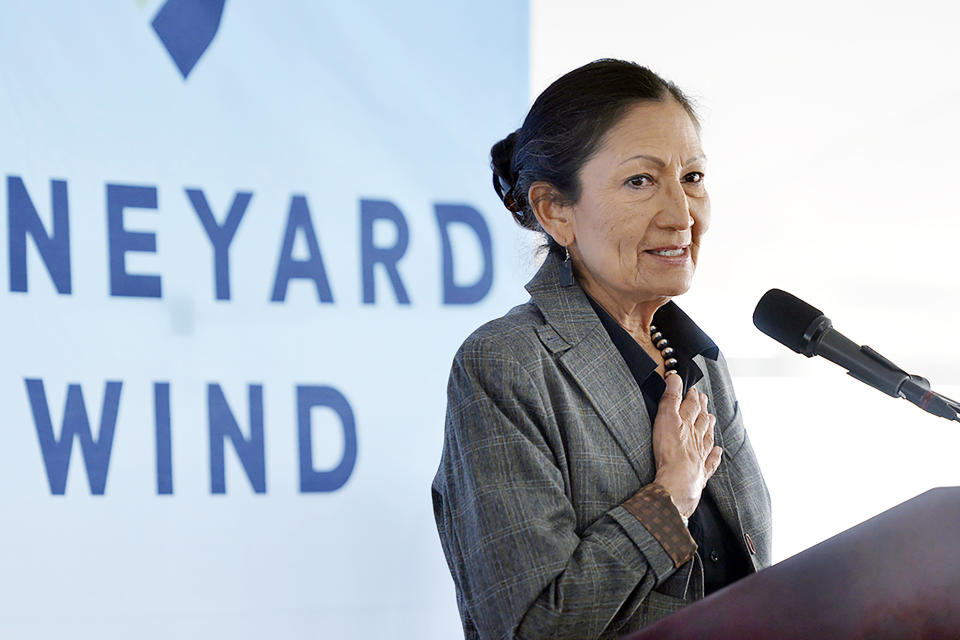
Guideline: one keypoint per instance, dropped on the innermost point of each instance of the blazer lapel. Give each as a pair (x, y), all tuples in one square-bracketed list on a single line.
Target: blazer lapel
[(597, 367), (594, 362), (720, 487)]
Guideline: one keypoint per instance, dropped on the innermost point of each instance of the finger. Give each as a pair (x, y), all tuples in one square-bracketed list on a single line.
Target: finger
[(713, 462), (702, 426), (690, 407), (673, 394), (708, 437)]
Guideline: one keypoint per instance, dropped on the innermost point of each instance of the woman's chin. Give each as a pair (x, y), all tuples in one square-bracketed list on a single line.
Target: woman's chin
[(673, 293), (670, 287)]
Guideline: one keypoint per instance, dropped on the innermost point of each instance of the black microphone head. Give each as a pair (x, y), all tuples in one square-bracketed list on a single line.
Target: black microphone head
[(785, 318)]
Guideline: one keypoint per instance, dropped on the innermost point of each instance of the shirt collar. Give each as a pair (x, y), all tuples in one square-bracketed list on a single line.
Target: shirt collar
[(686, 338), (682, 332)]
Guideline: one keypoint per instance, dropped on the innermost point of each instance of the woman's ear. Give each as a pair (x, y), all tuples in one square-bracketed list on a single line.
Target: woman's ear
[(555, 217)]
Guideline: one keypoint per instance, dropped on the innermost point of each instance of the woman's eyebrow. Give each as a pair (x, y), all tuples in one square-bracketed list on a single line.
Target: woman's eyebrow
[(655, 160), (660, 163)]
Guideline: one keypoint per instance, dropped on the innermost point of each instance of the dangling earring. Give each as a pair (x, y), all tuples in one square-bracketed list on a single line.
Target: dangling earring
[(566, 269)]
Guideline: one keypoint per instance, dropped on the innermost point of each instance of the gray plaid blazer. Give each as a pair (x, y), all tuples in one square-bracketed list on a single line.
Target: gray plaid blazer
[(546, 435)]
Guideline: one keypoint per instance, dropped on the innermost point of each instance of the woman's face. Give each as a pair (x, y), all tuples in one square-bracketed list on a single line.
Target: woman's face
[(643, 207)]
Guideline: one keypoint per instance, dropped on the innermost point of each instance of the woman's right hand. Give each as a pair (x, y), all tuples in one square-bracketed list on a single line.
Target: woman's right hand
[(683, 445)]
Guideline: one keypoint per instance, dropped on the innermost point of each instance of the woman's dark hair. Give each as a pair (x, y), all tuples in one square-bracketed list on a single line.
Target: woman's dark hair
[(565, 127)]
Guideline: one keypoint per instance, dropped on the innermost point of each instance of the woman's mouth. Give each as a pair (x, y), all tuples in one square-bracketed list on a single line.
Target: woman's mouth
[(673, 255), (668, 252), (672, 252)]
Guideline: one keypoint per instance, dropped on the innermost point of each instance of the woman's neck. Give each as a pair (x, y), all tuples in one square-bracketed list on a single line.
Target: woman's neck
[(634, 315)]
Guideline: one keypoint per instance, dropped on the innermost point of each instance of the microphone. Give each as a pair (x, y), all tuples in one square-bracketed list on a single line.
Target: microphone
[(804, 329)]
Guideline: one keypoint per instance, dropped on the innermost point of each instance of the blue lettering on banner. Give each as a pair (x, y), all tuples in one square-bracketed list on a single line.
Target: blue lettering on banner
[(120, 197), (454, 293), (223, 426), (54, 248), (161, 422), (54, 245), (311, 480), (76, 424), (220, 236), (312, 268), (372, 211)]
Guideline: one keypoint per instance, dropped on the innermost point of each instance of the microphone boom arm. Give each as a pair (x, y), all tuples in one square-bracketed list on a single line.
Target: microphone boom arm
[(914, 388)]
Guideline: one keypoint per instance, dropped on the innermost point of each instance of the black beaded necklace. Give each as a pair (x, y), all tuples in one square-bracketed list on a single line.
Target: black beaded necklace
[(666, 351)]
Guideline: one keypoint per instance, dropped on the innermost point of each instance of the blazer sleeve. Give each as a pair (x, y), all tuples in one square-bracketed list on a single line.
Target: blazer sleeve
[(507, 526)]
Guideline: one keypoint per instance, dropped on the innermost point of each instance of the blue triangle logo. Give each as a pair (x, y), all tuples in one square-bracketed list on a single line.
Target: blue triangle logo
[(186, 28)]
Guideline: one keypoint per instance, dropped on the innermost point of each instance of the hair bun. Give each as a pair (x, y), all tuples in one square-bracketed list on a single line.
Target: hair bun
[(504, 177)]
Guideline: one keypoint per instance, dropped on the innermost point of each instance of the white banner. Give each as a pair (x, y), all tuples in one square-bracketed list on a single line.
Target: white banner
[(240, 244)]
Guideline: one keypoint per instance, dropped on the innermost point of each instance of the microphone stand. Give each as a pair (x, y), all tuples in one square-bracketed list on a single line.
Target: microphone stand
[(914, 388)]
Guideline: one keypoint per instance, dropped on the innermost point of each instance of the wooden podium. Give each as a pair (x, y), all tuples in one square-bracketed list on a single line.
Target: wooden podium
[(896, 575)]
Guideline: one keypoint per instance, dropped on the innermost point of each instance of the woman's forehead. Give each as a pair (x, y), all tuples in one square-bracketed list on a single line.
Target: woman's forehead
[(651, 131)]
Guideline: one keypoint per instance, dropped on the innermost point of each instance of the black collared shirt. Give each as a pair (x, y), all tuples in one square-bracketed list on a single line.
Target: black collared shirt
[(724, 561)]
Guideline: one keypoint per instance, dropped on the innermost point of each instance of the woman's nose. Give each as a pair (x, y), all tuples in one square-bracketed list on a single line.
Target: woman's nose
[(676, 212)]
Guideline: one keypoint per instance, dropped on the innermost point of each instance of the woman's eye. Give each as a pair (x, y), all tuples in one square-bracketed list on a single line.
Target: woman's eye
[(640, 181), (695, 177)]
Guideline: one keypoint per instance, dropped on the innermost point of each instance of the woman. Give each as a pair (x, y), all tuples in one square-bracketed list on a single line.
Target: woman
[(596, 475)]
